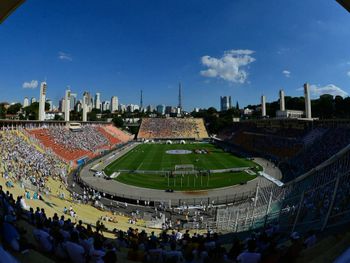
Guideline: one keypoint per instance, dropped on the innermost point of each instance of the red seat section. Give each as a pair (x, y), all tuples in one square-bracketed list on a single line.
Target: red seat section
[(112, 140), (88, 142), (117, 133), (60, 150)]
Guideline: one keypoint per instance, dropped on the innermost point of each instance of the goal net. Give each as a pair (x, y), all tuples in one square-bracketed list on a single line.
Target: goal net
[(184, 167)]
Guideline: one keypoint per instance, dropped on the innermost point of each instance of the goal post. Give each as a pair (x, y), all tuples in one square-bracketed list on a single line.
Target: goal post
[(184, 167), (187, 175)]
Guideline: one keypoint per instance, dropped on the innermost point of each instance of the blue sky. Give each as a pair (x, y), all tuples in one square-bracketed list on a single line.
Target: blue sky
[(225, 47)]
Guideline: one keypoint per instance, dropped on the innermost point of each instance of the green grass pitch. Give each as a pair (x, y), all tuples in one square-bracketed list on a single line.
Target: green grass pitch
[(154, 157)]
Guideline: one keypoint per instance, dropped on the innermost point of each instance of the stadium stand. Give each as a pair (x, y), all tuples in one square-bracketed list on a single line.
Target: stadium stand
[(314, 134), (29, 233), (69, 154), (314, 154), (172, 128), (22, 161), (74, 145), (286, 220), (42, 236), (111, 139), (295, 151), (88, 139), (119, 134)]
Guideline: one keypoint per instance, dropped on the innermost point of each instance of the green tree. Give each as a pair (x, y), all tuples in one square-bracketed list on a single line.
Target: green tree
[(211, 111), (58, 118), (118, 121), (2, 111), (14, 108), (32, 111)]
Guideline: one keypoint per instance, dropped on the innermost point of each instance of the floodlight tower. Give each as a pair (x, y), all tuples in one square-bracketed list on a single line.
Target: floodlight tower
[(180, 97), (263, 106), (307, 101), (282, 103), (42, 100), (85, 106), (67, 105)]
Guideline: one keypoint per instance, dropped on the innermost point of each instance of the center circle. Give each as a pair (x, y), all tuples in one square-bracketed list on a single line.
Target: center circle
[(178, 152)]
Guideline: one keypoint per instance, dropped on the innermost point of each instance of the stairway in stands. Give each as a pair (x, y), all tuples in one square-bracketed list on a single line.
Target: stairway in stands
[(112, 140), (117, 133)]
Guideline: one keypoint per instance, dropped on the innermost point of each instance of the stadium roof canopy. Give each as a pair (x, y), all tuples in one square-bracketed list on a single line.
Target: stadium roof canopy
[(7, 7), (345, 4)]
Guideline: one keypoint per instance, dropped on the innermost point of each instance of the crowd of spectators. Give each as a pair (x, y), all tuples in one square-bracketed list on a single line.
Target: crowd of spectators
[(267, 145), (77, 242), (59, 238), (120, 134), (271, 143), (88, 138), (319, 151), (294, 152), (319, 189), (22, 161), (172, 128)]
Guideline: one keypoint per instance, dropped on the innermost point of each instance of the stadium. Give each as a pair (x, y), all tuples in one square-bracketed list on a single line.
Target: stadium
[(275, 188), (74, 180)]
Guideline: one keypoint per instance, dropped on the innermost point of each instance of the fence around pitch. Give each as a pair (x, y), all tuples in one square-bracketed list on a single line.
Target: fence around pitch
[(174, 202)]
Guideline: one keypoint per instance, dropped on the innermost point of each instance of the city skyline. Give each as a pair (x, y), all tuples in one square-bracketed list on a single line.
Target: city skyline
[(128, 48), (112, 102)]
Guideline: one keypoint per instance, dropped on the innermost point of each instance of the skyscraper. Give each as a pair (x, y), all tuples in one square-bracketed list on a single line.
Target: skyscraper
[(42, 101), (78, 105), (161, 109), (89, 101), (48, 101), (25, 102), (114, 103), (73, 100), (32, 100), (225, 103), (150, 108), (168, 109), (122, 108), (132, 107), (106, 105), (61, 104), (98, 101)]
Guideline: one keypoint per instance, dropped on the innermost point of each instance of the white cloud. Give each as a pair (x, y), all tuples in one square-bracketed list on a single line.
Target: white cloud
[(317, 90), (286, 73), (64, 56), (229, 67), (348, 73), (30, 85)]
